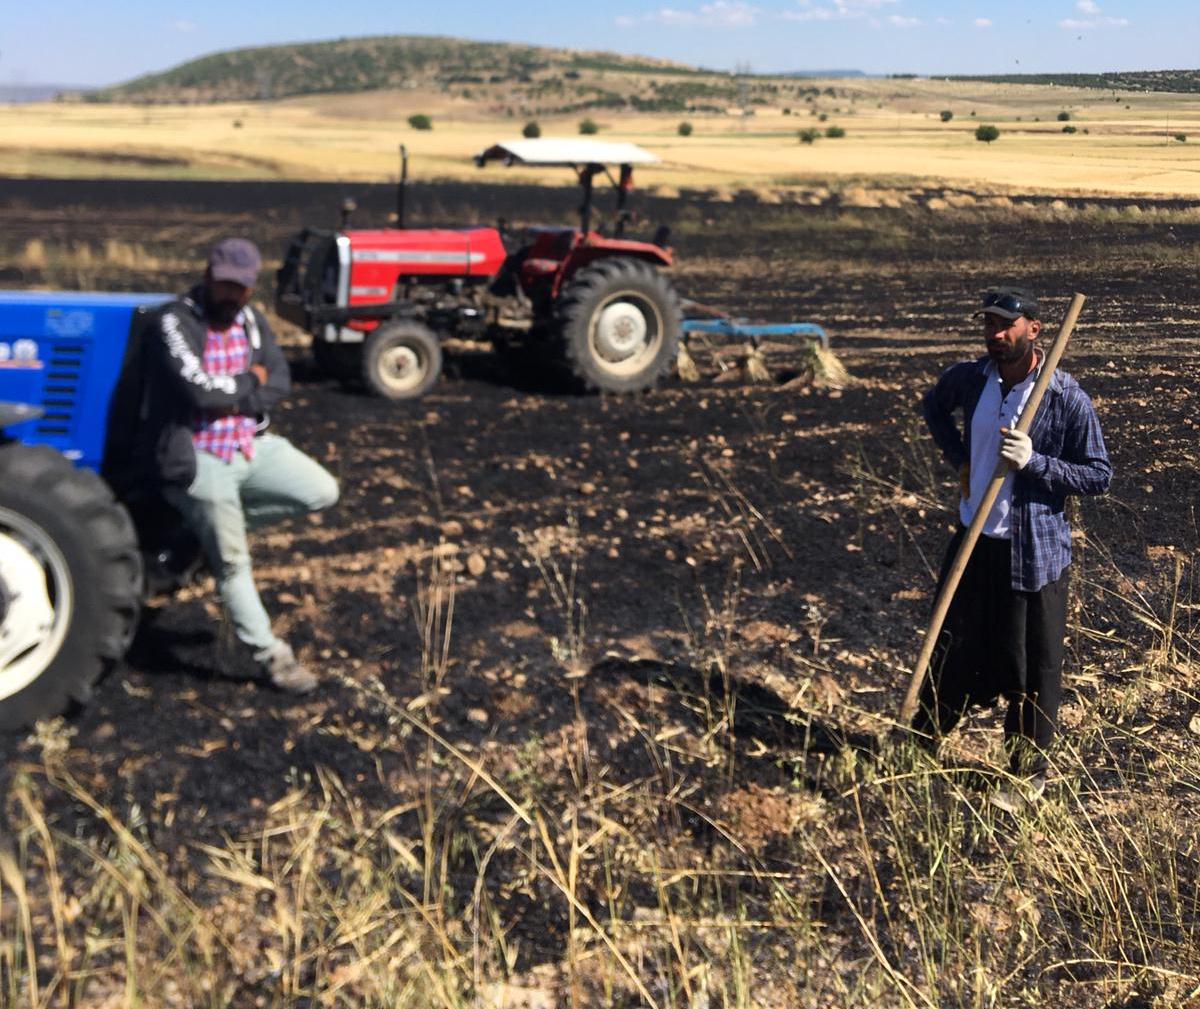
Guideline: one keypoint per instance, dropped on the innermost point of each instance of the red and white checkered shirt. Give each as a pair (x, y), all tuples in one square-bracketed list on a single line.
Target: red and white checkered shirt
[(223, 434)]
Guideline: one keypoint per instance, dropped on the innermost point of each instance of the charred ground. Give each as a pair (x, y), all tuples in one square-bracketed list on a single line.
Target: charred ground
[(608, 556)]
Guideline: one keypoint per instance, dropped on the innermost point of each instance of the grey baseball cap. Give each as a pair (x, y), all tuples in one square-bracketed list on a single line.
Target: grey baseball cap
[(235, 259), (1009, 303)]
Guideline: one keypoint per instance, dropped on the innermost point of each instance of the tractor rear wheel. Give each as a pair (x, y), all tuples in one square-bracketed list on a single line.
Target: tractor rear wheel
[(402, 360), (70, 582), (620, 323)]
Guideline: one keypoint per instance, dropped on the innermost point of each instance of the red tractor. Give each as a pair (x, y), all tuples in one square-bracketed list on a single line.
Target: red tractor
[(379, 302)]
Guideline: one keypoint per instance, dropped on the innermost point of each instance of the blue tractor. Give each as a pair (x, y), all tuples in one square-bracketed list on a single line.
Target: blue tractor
[(77, 523)]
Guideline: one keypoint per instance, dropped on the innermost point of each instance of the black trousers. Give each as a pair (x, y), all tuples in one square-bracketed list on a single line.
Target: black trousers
[(998, 643)]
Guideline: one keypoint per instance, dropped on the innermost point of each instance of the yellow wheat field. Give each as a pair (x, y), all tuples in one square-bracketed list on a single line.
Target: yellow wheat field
[(1126, 143)]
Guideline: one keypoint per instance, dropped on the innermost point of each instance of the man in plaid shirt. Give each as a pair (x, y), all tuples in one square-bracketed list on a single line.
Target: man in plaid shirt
[(220, 373), (1004, 633)]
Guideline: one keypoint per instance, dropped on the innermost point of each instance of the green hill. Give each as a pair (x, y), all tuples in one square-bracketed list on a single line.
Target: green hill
[(1182, 81), (366, 64)]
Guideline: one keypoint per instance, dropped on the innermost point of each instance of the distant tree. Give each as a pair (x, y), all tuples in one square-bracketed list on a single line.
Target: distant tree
[(947, 115), (835, 132), (684, 129), (420, 122), (808, 136), (1064, 116), (1181, 137), (972, 113), (822, 117), (787, 112), (986, 134), (531, 130), (1068, 129), (587, 128)]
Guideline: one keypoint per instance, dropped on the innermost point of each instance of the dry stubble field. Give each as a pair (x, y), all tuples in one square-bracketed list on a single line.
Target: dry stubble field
[(588, 660), (1125, 142)]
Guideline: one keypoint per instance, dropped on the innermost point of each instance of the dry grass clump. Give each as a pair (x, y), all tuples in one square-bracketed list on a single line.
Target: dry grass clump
[(690, 871)]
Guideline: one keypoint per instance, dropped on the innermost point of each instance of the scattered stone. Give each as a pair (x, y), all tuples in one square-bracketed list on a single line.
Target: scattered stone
[(451, 528), (587, 488), (476, 565), (478, 716)]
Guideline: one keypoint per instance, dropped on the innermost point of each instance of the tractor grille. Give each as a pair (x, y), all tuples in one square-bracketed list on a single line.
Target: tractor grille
[(64, 367)]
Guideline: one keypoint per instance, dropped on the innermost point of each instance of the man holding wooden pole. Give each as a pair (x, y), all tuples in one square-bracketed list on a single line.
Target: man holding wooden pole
[(1004, 631)]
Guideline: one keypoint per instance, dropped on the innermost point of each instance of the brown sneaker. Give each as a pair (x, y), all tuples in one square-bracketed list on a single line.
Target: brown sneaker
[(286, 672)]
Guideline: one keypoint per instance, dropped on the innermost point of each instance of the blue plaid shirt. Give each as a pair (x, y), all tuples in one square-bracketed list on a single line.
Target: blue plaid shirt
[(1068, 458)]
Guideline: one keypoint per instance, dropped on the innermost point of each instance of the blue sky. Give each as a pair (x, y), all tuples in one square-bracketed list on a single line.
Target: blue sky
[(72, 41)]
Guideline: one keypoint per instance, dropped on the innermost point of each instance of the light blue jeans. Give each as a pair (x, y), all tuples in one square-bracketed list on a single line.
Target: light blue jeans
[(228, 499)]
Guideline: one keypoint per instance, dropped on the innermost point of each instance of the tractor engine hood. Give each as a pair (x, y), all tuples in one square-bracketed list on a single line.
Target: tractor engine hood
[(378, 258)]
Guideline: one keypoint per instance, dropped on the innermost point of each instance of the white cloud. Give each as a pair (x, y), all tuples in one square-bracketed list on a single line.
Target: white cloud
[(718, 14), (983, 22), (900, 21), (1074, 24), (1092, 9), (839, 10), (185, 27)]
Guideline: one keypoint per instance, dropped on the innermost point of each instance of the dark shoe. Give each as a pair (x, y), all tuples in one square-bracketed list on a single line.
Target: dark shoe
[(285, 672)]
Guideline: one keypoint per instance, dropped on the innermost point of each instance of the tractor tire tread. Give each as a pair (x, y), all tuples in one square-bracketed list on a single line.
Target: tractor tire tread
[(100, 546), (590, 283)]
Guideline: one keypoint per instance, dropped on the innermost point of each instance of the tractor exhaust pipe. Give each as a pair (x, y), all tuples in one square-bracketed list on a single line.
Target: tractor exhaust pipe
[(402, 186)]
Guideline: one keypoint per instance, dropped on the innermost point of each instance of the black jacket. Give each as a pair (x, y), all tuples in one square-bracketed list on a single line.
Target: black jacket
[(177, 386)]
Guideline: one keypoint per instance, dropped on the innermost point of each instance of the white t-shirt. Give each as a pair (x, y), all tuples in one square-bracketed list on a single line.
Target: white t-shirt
[(993, 411)]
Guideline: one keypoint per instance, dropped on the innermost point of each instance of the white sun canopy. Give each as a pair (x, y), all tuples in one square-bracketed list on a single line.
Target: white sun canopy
[(565, 152)]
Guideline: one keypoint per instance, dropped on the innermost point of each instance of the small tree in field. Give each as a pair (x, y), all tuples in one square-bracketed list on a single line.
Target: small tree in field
[(807, 136), (947, 115), (835, 132), (1064, 116), (684, 129), (420, 122), (588, 128), (531, 130), (986, 133)]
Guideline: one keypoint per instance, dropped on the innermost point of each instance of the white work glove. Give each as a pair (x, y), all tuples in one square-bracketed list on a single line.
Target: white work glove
[(1016, 448)]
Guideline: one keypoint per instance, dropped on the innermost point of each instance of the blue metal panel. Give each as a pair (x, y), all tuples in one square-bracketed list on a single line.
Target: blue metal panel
[(62, 351)]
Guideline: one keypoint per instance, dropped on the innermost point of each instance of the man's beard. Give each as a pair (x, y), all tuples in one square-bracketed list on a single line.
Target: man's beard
[(221, 314), (1010, 355)]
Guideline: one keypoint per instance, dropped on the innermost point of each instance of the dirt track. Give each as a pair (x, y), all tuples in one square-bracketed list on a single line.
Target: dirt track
[(817, 517)]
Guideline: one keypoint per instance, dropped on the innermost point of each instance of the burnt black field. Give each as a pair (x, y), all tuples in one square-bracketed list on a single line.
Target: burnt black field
[(796, 529), (676, 494)]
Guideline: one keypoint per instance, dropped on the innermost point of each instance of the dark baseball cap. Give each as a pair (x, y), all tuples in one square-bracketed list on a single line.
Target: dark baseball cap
[(235, 259), (1009, 303)]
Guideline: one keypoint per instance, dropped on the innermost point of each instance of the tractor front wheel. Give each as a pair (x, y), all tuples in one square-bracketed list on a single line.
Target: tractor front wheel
[(70, 582), (620, 323), (402, 360)]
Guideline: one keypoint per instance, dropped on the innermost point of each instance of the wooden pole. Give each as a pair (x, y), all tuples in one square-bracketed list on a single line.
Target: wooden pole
[(967, 546)]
